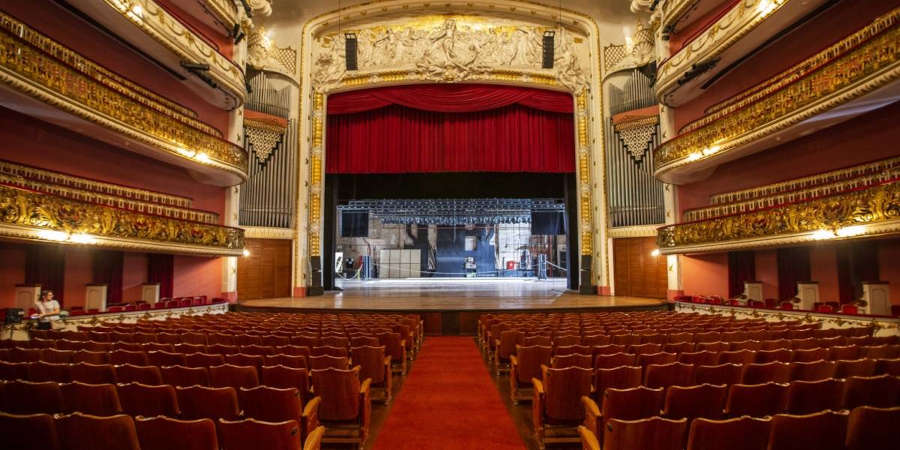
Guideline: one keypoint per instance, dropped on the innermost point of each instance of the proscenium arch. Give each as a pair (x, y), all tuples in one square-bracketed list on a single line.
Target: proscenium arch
[(587, 97)]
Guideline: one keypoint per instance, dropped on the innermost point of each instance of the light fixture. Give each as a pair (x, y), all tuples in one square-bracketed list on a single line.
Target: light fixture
[(711, 150), (52, 235), (854, 230), (655, 252), (822, 234), (202, 157), (82, 238), (138, 10), (246, 252), (694, 156), (766, 6)]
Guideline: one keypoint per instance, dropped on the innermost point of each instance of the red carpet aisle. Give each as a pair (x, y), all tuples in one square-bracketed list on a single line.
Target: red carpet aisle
[(448, 402)]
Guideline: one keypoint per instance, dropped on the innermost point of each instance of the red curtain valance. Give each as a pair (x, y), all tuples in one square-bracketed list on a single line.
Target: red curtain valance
[(450, 98)]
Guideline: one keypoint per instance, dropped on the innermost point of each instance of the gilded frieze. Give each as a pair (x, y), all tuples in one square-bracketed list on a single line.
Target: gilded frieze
[(844, 77), (861, 211), (72, 87), (35, 211)]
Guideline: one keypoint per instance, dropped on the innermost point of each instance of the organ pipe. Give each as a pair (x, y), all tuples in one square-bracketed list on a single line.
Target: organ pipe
[(267, 198)]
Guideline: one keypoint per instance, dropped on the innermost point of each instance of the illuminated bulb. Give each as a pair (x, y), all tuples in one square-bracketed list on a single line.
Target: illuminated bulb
[(186, 152), (202, 157), (822, 234), (246, 252), (82, 238), (138, 10), (766, 6), (851, 231), (655, 252), (694, 156), (51, 235), (711, 150)]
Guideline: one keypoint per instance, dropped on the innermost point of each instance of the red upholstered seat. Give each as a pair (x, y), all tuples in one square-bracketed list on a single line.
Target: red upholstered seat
[(863, 367), (28, 431), (185, 376), (364, 341), (665, 375), (727, 374), (129, 373), (199, 402), (880, 391), (844, 352), (26, 397), (44, 371), (92, 357), (375, 366), (228, 375), (79, 431), (777, 372), (13, 370), (395, 346), (93, 373), (164, 358), (345, 401), (144, 400), (756, 400), (804, 397), (53, 355), (699, 358), (825, 430), (525, 365), (248, 434), (704, 400), (277, 405), (244, 359), (647, 348), (622, 377), (571, 360), (737, 357), (298, 362), (655, 433), (872, 428), (327, 350), (121, 356), (97, 399), (166, 433), (203, 360), (813, 371), (326, 362), (186, 348), (742, 433), (609, 361)]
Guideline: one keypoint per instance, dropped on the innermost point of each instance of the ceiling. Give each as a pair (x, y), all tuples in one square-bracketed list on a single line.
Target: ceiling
[(288, 16)]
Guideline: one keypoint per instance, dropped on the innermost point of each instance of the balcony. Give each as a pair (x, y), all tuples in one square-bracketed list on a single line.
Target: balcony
[(49, 212), (737, 33), (864, 206), (855, 75), (44, 79), (179, 48)]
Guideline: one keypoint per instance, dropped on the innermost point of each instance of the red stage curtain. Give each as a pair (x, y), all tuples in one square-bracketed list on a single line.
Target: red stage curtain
[(450, 128), (107, 268), (455, 98), (161, 269), (741, 268)]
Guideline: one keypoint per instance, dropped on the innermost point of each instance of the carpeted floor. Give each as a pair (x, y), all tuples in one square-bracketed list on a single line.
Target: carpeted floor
[(448, 402)]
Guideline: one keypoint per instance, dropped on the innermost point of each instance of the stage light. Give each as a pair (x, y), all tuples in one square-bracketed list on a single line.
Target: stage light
[(246, 252), (655, 252)]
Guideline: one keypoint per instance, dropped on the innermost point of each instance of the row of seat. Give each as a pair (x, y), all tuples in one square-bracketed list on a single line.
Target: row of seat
[(863, 428), (78, 431)]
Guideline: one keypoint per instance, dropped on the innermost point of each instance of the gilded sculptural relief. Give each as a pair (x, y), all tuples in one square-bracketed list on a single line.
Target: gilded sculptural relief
[(849, 69), (25, 214), (871, 211)]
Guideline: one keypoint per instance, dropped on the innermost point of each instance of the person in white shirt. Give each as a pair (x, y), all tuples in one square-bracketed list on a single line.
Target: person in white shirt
[(48, 309)]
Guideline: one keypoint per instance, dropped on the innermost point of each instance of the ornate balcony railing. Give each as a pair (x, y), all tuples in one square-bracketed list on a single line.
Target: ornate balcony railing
[(868, 211), (45, 70), (31, 215), (853, 67)]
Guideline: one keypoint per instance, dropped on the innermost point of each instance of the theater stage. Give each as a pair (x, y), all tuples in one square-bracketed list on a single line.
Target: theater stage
[(452, 306)]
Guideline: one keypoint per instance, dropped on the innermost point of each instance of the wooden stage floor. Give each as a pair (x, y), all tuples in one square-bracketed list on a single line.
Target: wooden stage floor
[(453, 295)]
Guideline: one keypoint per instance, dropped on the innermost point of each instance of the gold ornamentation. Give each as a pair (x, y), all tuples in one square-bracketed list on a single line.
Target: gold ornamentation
[(31, 210), (692, 215), (834, 176), (225, 12), (111, 200), (85, 184), (69, 87), (876, 207), (865, 67)]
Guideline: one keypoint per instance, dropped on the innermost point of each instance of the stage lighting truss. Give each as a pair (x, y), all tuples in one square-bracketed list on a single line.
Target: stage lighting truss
[(479, 211)]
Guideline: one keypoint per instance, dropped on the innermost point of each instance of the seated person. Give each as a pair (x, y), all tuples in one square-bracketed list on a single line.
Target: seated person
[(48, 310)]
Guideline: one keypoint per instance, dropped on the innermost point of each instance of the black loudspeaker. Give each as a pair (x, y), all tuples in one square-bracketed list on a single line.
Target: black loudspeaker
[(548, 49), (13, 315), (350, 51)]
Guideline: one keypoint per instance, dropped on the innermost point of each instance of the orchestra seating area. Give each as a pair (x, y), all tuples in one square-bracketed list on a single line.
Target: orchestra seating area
[(660, 380), (205, 382)]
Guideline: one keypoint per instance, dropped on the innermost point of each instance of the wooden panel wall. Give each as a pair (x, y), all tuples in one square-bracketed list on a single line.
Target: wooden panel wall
[(637, 272), (266, 273)]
